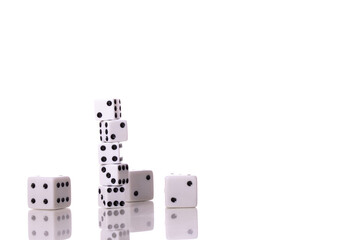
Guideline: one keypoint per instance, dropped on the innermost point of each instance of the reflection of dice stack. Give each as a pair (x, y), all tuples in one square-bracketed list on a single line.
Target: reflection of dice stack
[(114, 175)]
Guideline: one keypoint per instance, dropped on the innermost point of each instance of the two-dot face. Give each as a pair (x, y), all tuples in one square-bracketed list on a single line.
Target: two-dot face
[(141, 186), (113, 131), (107, 109), (180, 191), (49, 192)]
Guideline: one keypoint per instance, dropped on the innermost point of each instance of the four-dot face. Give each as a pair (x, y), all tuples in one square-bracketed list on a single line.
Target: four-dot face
[(180, 191), (114, 174), (113, 131), (49, 192), (109, 153), (107, 109), (141, 186)]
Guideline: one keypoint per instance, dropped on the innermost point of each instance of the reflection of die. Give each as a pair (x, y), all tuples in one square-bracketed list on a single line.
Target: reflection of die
[(49, 192), (113, 131), (141, 186), (111, 196), (181, 223), (114, 219), (114, 174), (115, 235), (107, 109), (141, 216), (180, 191), (109, 153), (49, 224)]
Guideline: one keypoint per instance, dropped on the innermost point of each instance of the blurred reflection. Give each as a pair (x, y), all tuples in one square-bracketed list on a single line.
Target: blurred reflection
[(141, 216), (117, 234), (49, 224), (114, 219), (181, 223)]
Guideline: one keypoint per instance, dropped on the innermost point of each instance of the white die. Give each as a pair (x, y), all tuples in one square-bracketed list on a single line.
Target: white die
[(141, 186), (113, 131), (181, 223), (109, 153), (111, 196), (49, 224), (180, 191), (107, 109), (115, 235), (141, 216), (49, 192), (114, 219), (114, 174)]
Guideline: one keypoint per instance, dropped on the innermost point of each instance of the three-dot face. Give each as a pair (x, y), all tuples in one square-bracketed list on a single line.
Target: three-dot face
[(111, 196), (113, 131), (49, 192), (141, 186), (109, 109), (109, 153), (180, 191), (114, 174)]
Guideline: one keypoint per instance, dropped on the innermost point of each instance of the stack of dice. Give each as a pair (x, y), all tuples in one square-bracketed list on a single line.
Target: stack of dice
[(114, 175)]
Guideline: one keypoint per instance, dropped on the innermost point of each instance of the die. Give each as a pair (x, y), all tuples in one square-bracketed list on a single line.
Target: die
[(49, 192), (181, 223), (115, 235), (107, 109), (111, 196), (141, 186), (49, 224), (141, 216), (109, 153), (114, 219), (113, 131), (114, 174), (180, 191)]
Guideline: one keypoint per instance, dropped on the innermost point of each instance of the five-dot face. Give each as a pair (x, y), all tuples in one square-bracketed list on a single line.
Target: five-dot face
[(49, 192), (107, 109), (181, 191)]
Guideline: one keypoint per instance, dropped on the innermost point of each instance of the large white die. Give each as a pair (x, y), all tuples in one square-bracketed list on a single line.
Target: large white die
[(111, 196), (180, 191), (107, 109), (113, 131), (141, 186), (49, 224), (141, 216), (114, 174), (115, 235), (49, 192), (109, 153), (181, 223), (114, 219)]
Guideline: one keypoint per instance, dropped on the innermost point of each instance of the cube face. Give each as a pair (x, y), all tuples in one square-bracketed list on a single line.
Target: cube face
[(49, 192), (141, 216), (107, 109), (114, 174), (49, 224), (114, 219), (111, 197), (141, 186), (113, 131), (180, 191), (181, 223), (115, 235), (109, 153)]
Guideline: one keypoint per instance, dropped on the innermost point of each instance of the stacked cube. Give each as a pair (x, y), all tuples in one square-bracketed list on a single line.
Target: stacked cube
[(114, 175)]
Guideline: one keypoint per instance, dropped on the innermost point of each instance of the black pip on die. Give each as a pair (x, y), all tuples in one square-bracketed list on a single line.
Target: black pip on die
[(109, 153), (113, 131), (107, 109), (111, 196), (114, 174), (49, 192)]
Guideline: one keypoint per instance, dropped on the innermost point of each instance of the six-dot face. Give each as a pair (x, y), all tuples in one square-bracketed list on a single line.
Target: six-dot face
[(141, 186), (114, 219), (49, 192), (107, 109), (111, 196), (180, 191)]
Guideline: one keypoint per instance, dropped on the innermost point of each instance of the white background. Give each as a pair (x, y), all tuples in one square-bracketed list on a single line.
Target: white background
[(259, 99)]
